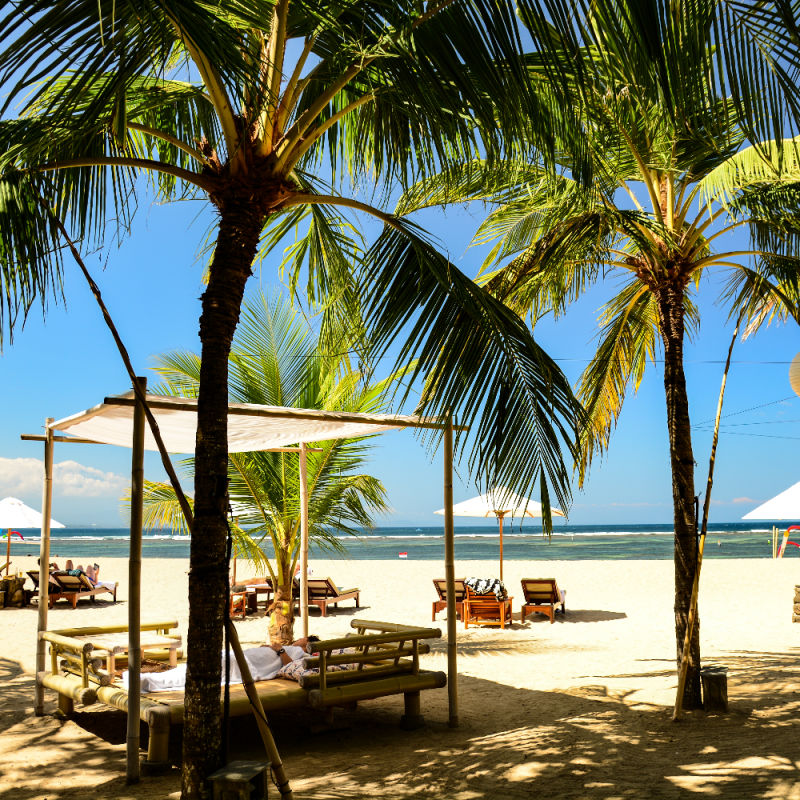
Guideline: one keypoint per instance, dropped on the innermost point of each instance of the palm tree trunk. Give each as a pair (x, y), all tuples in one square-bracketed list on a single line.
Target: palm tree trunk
[(239, 229), (281, 612), (671, 322)]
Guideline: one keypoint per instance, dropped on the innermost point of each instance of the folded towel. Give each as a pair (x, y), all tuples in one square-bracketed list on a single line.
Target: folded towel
[(487, 586)]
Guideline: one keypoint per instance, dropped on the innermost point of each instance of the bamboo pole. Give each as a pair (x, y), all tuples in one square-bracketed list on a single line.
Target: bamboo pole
[(687, 642), (134, 587), (44, 564), (304, 538), (261, 718), (449, 574)]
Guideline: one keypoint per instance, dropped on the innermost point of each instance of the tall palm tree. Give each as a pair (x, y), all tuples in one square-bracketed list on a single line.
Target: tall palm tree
[(677, 166), (277, 360), (269, 110)]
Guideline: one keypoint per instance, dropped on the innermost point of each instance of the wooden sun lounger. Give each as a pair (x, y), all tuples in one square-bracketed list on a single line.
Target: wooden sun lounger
[(74, 587), (440, 584), (322, 592), (486, 609), (542, 596), (386, 654)]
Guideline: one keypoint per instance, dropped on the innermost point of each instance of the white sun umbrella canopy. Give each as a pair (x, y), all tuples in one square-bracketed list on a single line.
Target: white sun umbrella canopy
[(785, 505), (15, 514), (500, 502)]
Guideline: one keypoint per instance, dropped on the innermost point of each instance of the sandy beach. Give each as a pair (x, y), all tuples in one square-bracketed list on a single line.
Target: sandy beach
[(577, 709)]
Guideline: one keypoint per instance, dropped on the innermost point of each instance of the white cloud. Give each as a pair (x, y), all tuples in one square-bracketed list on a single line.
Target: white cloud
[(23, 476), (748, 500)]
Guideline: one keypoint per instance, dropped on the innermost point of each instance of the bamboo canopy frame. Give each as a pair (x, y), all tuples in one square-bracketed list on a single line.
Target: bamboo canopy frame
[(119, 420)]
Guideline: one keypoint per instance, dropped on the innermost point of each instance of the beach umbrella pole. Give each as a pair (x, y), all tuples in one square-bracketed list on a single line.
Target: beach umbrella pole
[(500, 520), (44, 565)]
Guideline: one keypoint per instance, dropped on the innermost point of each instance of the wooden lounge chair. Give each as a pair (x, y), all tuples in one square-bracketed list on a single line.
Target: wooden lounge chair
[(542, 596), (485, 609), (322, 592), (74, 587), (33, 574), (441, 589)]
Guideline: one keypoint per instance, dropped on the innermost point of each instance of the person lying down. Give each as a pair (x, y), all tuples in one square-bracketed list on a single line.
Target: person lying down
[(265, 663)]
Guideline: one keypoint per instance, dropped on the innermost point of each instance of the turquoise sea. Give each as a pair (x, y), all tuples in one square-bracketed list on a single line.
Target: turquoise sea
[(569, 542)]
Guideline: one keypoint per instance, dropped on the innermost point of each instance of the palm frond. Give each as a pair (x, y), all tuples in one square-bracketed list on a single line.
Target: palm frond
[(627, 342), (770, 163), (30, 249), (479, 361)]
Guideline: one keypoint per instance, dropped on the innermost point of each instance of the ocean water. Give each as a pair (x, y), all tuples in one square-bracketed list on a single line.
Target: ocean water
[(569, 542)]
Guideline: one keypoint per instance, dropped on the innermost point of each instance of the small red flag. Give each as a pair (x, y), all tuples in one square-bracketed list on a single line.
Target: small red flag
[(402, 555), (18, 534)]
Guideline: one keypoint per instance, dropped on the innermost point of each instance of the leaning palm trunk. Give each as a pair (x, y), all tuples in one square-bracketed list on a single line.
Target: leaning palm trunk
[(236, 247), (671, 323)]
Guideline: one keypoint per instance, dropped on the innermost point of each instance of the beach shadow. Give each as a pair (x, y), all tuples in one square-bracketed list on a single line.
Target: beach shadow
[(579, 615), (85, 605), (586, 743), (562, 745), (17, 694)]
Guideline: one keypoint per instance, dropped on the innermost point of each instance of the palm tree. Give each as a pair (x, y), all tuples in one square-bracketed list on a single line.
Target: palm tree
[(277, 360), (268, 110), (677, 169)]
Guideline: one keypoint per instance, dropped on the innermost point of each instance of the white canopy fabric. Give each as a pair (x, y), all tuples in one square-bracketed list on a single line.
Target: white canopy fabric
[(500, 502), (15, 514), (786, 505), (250, 427)]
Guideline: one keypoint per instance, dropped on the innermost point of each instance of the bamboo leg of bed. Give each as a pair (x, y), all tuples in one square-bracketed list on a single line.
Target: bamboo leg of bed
[(261, 718), (412, 718), (158, 726), (66, 705)]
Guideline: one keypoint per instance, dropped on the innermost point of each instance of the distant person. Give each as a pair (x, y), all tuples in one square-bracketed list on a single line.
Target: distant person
[(92, 572)]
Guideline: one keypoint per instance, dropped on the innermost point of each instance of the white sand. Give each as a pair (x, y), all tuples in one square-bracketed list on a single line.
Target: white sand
[(580, 708)]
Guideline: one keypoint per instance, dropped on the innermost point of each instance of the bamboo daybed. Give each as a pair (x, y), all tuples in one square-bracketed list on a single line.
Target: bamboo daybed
[(386, 655)]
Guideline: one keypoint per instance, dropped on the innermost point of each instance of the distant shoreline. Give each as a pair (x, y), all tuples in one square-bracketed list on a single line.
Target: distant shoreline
[(568, 543)]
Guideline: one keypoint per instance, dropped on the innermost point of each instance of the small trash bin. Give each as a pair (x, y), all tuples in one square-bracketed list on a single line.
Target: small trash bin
[(715, 687), (241, 780)]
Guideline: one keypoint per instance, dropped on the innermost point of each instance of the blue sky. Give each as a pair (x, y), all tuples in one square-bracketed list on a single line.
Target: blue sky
[(66, 362)]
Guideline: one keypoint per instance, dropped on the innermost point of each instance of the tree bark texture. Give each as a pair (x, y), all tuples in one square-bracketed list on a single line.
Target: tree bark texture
[(239, 230), (281, 616), (671, 321)]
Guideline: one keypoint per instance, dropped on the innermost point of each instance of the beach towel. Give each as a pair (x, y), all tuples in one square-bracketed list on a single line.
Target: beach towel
[(487, 586), (298, 669), (264, 664)]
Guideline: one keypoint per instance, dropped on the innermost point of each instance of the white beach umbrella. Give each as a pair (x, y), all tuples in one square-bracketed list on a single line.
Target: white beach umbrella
[(785, 505), (500, 502), (15, 514)]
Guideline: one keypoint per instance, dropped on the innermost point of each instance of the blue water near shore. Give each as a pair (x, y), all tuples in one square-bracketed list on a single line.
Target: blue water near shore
[(569, 542)]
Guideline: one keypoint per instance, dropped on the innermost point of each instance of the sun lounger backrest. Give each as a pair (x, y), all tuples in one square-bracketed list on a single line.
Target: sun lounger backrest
[(322, 587), (540, 590), (67, 582), (441, 588)]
